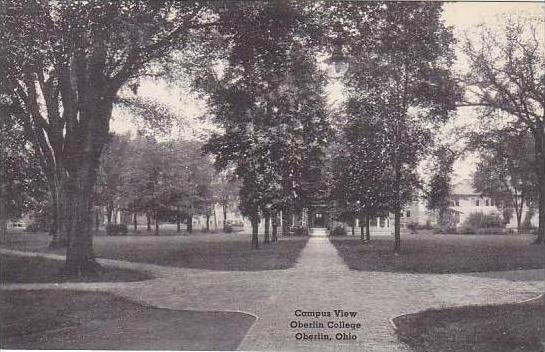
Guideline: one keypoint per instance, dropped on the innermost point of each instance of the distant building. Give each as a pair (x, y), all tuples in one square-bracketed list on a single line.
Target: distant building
[(18, 224), (465, 201)]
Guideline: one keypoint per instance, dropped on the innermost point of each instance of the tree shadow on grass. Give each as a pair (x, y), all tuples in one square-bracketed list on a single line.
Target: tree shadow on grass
[(49, 319), (22, 269), (500, 328)]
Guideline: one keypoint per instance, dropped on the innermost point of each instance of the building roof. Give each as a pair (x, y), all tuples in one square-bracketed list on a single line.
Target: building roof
[(464, 187)]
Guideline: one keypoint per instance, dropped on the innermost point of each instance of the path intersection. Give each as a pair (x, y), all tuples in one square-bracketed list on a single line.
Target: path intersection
[(286, 302)]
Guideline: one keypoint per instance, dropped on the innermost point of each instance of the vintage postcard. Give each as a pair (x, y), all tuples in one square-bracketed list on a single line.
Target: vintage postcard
[(281, 175)]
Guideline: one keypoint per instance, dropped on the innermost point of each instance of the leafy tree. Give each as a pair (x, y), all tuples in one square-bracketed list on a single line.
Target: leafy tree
[(269, 100), (194, 193), (110, 174), (225, 190), (167, 178), (22, 183), (507, 75), (77, 55), (400, 69), (506, 170), (362, 183), (439, 191), (146, 180), (159, 177)]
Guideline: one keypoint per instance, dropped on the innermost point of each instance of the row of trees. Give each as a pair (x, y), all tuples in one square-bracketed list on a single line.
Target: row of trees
[(168, 179), (506, 80), (506, 170), (400, 87), (268, 98), (62, 66), (65, 62), (22, 188)]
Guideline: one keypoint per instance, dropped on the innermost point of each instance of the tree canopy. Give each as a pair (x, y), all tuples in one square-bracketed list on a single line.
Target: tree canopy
[(507, 81), (76, 56)]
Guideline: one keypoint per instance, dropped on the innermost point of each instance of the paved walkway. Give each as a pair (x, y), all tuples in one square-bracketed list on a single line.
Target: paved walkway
[(320, 281)]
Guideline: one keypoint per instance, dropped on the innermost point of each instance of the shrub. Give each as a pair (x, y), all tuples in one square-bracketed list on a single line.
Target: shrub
[(413, 227), (300, 231), (338, 231), (116, 230), (40, 223), (427, 226), (36, 226), (444, 230), (228, 229), (491, 231), (481, 221), (467, 230)]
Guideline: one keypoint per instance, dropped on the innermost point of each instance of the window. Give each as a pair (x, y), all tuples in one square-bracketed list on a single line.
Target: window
[(373, 222), (487, 203), (408, 213), (476, 202), (457, 202), (382, 222)]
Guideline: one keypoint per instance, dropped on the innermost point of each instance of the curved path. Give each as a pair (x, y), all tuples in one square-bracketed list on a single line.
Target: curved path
[(320, 281)]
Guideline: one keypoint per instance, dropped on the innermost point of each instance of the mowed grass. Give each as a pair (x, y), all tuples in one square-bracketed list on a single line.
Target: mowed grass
[(19, 269), (220, 251), (501, 328), (94, 320), (442, 253)]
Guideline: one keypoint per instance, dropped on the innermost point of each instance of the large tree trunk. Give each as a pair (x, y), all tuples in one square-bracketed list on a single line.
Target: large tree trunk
[(59, 194), (53, 219), (397, 228), (207, 222), (97, 220), (156, 223), (353, 226), (3, 202), (109, 215), (224, 208), (135, 221), (275, 227), (255, 229), (80, 260), (148, 218), (215, 220), (267, 238), (286, 215), (367, 228), (397, 205), (178, 220), (539, 135), (190, 223), (518, 215), (362, 227)]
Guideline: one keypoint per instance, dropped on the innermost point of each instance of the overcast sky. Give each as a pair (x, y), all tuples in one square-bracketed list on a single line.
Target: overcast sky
[(463, 16)]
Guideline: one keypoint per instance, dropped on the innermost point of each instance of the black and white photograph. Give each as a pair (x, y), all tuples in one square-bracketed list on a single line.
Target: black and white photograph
[(272, 175)]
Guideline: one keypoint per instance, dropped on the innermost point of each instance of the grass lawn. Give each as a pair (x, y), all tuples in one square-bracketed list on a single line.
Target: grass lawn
[(94, 320), (17, 269), (442, 253), (201, 251), (502, 328)]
